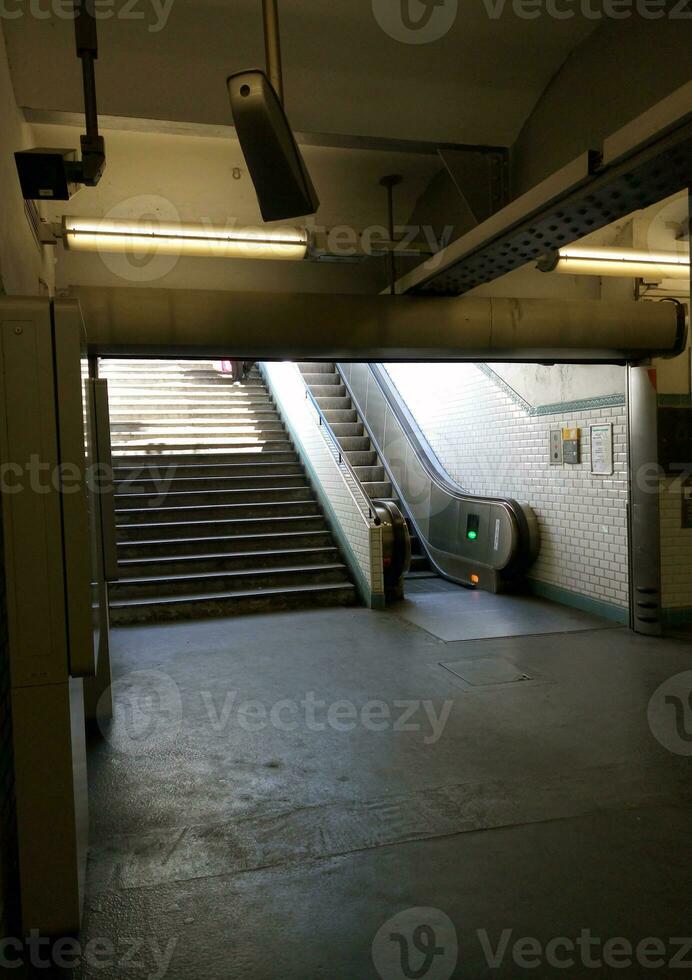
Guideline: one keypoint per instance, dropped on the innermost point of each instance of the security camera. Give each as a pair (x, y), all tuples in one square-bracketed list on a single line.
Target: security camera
[(276, 166), (47, 174)]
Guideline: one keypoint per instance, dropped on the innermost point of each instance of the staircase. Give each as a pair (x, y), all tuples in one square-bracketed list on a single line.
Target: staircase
[(214, 513), (331, 394)]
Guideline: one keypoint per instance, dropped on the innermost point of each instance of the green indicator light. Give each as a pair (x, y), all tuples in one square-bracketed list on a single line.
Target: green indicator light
[(472, 535)]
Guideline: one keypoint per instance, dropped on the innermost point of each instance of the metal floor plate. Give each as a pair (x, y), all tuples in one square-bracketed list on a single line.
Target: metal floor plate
[(485, 671), (462, 614)]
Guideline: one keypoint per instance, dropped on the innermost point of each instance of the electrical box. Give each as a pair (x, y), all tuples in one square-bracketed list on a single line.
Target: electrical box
[(571, 446), (46, 174)]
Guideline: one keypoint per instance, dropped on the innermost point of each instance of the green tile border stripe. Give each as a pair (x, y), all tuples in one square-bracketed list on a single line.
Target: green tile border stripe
[(598, 607), (557, 408)]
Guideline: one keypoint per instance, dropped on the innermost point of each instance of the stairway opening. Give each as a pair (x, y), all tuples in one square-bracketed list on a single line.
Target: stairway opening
[(214, 512)]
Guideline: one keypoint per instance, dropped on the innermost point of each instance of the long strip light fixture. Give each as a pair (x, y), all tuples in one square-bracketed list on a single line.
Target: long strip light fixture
[(151, 238), (578, 260)]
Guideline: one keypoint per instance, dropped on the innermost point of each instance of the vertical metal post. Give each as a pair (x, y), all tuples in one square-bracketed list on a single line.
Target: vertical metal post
[(390, 182), (106, 496), (643, 511), (86, 41), (272, 46)]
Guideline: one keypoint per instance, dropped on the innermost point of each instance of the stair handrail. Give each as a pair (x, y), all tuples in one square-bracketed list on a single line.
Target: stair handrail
[(361, 499)]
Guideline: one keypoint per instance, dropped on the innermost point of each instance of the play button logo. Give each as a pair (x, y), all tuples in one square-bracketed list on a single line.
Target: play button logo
[(416, 21), (417, 943)]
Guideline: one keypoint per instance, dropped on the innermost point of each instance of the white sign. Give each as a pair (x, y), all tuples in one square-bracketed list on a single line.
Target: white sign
[(602, 449)]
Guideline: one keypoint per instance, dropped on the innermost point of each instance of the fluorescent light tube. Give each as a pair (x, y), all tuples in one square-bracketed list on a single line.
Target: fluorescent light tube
[(585, 260), (121, 235)]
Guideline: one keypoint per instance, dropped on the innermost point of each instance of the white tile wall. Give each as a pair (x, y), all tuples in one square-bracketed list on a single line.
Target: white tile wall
[(676, 548), (365, 539), (491, 445)]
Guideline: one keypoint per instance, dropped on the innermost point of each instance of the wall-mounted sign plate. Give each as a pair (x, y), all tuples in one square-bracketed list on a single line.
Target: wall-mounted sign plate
[(602, 449)]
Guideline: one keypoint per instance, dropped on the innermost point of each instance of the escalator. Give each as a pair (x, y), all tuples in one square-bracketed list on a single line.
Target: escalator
[(477, 541)]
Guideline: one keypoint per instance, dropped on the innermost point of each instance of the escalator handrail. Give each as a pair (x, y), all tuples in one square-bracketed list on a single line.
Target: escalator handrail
[(432, 466)]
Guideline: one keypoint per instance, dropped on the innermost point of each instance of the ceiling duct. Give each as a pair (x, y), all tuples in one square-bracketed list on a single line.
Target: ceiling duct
[(324, 326)]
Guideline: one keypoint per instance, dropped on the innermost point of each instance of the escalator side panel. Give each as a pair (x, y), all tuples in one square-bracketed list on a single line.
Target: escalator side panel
[(469, 538)]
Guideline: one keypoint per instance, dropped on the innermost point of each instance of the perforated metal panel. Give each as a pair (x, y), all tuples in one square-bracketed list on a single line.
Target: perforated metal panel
[(653, 174)]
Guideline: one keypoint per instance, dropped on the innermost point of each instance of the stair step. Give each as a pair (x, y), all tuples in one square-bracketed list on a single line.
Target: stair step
[(201, 415), (162, 399), (361, 457), (209, 462), (338, 413), (218, 512), (330, 391), (231, 581), (225, 444), (316, 367), (128, 612), (196, 563), (380, 490), (220, 528), (321, 379), (367, 473), (230, 430), (238, 544), (200, 386), (173, 483), (351, 444), (195, 499), (343, 429)]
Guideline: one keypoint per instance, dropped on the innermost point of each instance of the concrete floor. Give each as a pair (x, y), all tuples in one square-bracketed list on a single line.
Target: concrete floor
[(524, 791)]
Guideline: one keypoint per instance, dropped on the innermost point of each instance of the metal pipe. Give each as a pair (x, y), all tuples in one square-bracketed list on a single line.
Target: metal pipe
[(272, 46), (390, 182), (90, 109), (342, 327)]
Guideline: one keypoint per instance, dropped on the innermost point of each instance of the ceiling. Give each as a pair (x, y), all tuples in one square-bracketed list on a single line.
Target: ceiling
[(343, 72), (171, 149)]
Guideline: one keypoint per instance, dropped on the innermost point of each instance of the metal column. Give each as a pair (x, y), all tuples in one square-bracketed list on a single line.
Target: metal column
[(644, 518)]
